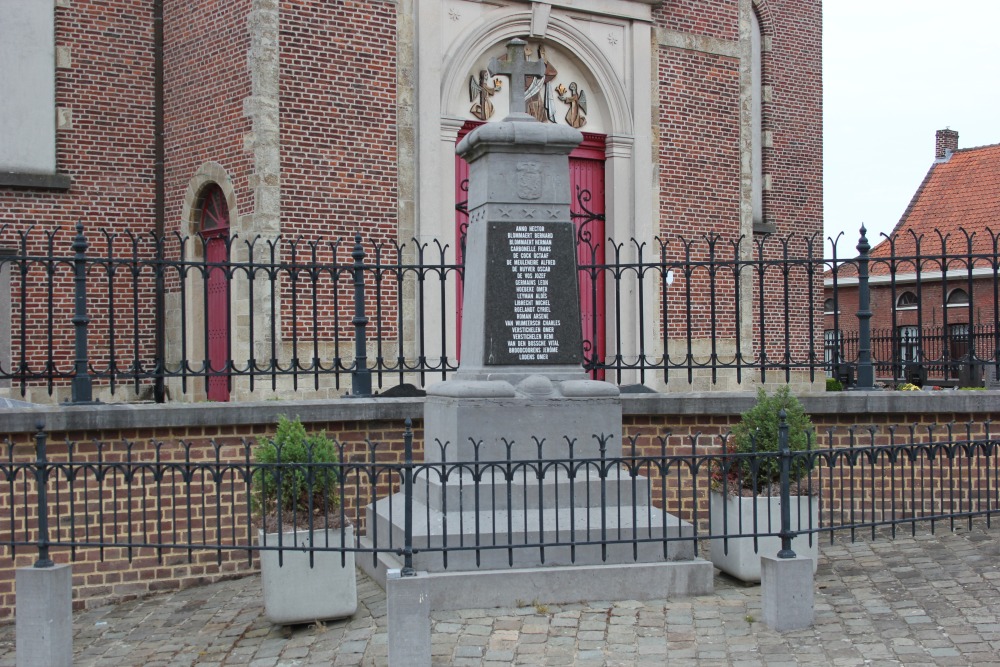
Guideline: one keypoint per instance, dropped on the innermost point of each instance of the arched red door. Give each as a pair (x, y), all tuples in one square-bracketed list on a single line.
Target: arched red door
[(586, 166), (215, 233)]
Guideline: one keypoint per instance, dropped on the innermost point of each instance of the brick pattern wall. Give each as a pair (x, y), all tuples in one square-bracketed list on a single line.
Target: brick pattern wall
[(105, 145), (699, 153), (932, 308), (338, 137), (187, 505), (102, 578), (207, 82)]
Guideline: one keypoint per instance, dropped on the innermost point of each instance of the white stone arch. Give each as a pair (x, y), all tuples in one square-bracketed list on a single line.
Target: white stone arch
[(207, 174), (623, 85), (463, 54)]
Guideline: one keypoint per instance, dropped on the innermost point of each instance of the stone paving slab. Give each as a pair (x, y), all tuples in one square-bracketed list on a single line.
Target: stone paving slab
[(923, 600)]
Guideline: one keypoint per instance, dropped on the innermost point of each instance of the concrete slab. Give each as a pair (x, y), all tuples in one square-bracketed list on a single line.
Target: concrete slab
[(513, 587), (44, 624), (787, 592)]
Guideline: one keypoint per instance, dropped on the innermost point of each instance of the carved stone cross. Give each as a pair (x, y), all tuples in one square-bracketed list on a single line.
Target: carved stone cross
[(517, 67)]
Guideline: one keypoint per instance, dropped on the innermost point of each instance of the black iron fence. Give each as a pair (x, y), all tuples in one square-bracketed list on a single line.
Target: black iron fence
[(125, 500), (202, 315)]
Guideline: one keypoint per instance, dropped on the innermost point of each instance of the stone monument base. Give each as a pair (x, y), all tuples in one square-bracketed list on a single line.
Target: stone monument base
[(564, 584), (502, 417)]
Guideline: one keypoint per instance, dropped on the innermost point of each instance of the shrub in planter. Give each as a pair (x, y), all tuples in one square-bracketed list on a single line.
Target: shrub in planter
[(294, 497), (305, 483), (833, 384), (757, 431), (740, 506)]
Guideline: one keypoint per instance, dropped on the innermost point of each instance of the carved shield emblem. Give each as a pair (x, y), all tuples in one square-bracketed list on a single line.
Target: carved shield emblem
[(529, 180)]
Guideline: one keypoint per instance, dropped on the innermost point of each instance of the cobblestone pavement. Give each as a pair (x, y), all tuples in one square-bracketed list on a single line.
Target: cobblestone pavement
[(928, 600)]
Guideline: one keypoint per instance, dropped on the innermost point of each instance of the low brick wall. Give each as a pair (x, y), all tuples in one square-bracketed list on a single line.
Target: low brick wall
[(676, 424)]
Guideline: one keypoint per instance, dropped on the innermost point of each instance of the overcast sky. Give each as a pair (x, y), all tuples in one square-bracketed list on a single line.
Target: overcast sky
[(895, 72)]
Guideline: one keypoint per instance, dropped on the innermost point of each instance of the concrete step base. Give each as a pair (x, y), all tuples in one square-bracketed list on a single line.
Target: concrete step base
[(513, 587)]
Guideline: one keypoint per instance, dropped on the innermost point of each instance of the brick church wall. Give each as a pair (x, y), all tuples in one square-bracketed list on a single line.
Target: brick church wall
[(338, 145), (700, 156), (206, 84), (104, 143)]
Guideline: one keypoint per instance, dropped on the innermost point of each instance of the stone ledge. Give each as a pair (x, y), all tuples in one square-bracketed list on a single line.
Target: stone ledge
[(35, 181), (112, 416), (858, 403)]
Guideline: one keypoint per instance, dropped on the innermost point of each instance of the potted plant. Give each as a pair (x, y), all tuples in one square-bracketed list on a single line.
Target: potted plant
[(746, 490), (295, 499)]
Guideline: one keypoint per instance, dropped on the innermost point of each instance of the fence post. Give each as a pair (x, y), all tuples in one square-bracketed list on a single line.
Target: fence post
[(82, 387), (408, 570), (786, 533), (361, 376), (44, 592), (866, 371), (41, 480), (408, 603), (786, 580)]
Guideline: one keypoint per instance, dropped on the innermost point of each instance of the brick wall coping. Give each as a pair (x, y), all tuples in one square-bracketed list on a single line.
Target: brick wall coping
[(859, 403), (120, 416)]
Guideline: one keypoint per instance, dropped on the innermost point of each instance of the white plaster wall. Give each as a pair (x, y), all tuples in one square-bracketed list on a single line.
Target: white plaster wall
[(27, 82)]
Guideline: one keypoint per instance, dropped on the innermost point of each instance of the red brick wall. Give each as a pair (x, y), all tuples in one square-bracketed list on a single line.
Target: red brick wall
[(108, 154), (700, 162), (338, 139), (206, 81)]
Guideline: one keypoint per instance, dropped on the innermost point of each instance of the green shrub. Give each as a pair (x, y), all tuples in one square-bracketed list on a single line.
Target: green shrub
[(288, 477), (833, 384), (757, 431)]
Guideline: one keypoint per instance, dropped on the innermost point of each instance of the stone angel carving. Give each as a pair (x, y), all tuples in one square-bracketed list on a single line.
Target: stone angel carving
[(577, 101), (480, 93)]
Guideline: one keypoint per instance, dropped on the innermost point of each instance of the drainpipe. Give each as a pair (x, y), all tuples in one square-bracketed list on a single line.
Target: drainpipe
[(159, 199)]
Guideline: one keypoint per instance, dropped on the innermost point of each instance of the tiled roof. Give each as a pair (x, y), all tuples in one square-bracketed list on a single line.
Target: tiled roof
[(958, 198)]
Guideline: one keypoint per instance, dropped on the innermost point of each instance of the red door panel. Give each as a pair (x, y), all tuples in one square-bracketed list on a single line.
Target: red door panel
[(215, 231)]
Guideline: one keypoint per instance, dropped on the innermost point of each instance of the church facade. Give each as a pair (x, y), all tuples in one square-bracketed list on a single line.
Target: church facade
[(313, 119)]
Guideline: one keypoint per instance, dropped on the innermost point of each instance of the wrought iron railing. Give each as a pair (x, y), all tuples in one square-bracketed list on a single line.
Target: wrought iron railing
[(310, 314), (151, 499)]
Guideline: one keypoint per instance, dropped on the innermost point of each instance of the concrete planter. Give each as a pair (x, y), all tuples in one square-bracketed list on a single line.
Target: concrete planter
[(294, 592), (736, 556)]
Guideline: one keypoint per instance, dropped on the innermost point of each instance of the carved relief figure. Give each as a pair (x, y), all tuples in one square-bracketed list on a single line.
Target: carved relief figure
[(538, 92), (480, 92), (577, 101), (529, 180)]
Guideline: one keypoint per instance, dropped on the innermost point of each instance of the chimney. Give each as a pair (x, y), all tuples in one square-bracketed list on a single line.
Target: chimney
[(945, 143)]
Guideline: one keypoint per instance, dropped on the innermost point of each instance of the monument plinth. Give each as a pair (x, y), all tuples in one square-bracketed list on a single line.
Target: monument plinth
[(521, 397), (521, 377)]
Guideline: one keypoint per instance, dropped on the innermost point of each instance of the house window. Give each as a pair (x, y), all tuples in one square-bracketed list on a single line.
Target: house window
[(27, 79), (906, 301), (958, 297), (908, 341), (832, 349), (830, 307)]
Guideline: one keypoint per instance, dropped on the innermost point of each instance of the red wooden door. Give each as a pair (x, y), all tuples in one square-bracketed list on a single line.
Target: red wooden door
[(586, 177), (586, 166), (215, 231)]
